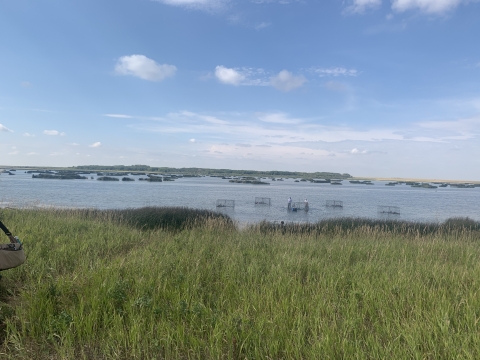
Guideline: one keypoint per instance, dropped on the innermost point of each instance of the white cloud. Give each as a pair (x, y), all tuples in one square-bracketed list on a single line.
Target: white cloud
[(360, 6), (337, 71), (118, 116), (229, 76), (53, 133), (95, 145), (73, 144), (207, 5), (192, 140), (144, 68), (241, 76), (428, 6), (286, 81), (4, 128), (13, 152), (356, 151), (29, 135), (32, 153)]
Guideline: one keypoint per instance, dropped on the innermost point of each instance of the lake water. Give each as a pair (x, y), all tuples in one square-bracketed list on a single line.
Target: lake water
[(416, 204)]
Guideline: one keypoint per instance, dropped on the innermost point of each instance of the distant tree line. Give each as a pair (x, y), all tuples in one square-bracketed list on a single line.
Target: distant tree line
[(212, 172)]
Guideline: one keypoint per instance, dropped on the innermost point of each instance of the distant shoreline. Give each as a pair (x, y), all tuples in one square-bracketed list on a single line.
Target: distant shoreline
[(230, 172), (416, 180)]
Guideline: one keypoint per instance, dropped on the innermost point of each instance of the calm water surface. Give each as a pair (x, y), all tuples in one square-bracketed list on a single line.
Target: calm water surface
[(415, 204)]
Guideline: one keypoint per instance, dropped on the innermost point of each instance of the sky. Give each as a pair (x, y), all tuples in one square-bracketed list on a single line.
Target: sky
[(378, 88)]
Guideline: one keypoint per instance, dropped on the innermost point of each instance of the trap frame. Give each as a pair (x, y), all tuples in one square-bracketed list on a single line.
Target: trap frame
[(299, 205)]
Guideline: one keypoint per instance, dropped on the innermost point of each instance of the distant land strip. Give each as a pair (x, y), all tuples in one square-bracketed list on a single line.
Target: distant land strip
[(417, 180), (191, 171)]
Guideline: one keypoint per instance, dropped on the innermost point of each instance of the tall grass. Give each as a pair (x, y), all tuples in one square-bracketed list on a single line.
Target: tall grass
[(96, 287)]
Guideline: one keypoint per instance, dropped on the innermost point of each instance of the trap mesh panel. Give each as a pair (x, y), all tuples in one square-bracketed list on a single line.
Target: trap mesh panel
[(262, 201), (225, 203), (298, 205), (395, 210), (334, 203)]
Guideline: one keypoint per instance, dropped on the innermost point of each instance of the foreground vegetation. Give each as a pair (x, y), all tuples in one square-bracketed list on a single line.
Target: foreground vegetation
[(130, 285)]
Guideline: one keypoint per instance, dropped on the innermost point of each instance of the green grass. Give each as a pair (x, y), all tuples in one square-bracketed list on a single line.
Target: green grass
[(96, 287)]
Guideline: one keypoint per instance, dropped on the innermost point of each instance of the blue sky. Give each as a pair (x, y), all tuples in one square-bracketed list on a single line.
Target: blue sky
[(369, 87)]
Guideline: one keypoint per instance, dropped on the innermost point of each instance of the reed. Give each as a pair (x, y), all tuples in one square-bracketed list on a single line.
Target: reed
[(96, 287)]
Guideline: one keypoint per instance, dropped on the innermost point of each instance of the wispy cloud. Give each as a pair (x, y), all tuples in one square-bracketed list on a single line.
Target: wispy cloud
[(356, 151), (53, 133), (262, 25), (261, 127), (461, 129), (277, 118), (28, 135), (118, 116), (286, 81), (334, 71), (277, 128), (427, 6), (360, 6), (95, 145), (335, 86), (144, 68), (4, 128), (205, 5)]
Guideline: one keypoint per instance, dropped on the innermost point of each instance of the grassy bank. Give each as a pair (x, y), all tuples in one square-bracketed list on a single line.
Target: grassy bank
[(104, 285)]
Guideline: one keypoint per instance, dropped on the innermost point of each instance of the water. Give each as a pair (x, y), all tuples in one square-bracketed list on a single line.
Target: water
[(416, 204)]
